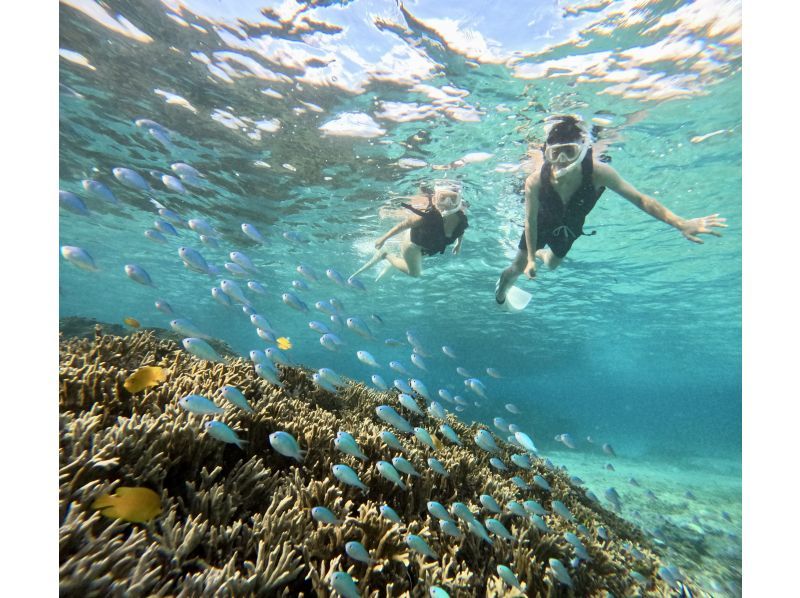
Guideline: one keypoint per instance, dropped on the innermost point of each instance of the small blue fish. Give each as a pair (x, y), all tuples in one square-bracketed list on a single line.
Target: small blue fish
[(445, 395), (155, 236), (462, 511), (277, 356), (294, 302), (165, 227), (376, 318), (355, 550), (614, 498), (451, 529), (560, 509), (193, 259), (307, 272), (299, 285), (256, 287), (346, 475), (200, 348), (417, 360), (521, 460), (404, 465), (525, 441), (330, 341), (201, 227), (319, 327), (580, 549), (345, 443), (449, 352), (476, 529), (138, 274), (390, 514), (500, 424), (286, 445), (438, 467), (484, 440), (130, 178), (260, 321), (235, 397), (223, 433), (239, 258), (172, 217), (330, 376), (199, 405), (576, 480), (513, 428), (534, 508), (337, 322), (355, 283), (415, 342), (73, 203), (99, 190), (323, 384), (342, 583), (391, 417), (490, 504), (236, 270), (437, 510), (324, 515), (294, 237), (234, 291), (164, 307), (498, 529), (391, 440), (516, 509), (268, 373), (257, 357), (437, 592), (398, 367), (463, 372), (360, 327), (252, 233), (78, 257), (476, 386), (567, 440), (436, 411), (609, 450), (335, 277), (366, 358), (173, 183), (419, 545), (520, 483), (378, 382), (450, 434), (498, 464), (602, 533), (507, 575), (185, 328), (540, 524), (424, 437), (409, 403), (388, 471), (560, 572), (420, 388), (403, 387), (393, 342)]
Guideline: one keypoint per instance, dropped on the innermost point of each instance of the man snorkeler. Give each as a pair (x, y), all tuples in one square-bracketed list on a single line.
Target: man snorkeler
[(560, 195)]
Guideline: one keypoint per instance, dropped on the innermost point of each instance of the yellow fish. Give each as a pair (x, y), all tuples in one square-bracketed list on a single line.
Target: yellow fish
[(132, 322), (137, 505), (149, 375), (284, 343), (437, 443)]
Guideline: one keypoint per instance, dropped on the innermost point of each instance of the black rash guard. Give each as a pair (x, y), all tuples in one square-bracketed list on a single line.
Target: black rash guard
[(430, 234)]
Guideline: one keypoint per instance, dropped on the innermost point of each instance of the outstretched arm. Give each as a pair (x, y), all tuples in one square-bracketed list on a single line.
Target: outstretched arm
[(606, 176), (398, 228)]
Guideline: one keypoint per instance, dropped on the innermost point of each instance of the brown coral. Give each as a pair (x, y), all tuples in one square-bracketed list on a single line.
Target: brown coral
[(237, 522)]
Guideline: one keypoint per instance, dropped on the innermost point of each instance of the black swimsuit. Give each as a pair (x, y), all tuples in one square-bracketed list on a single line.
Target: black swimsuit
[(558, 225), (430, 235)]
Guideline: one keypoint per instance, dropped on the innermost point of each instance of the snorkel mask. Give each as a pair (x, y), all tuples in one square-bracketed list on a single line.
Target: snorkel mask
[(451, 202), (565, 157)]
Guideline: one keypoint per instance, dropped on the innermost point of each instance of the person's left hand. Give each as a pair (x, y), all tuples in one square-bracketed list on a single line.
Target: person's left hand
[(698, 226)]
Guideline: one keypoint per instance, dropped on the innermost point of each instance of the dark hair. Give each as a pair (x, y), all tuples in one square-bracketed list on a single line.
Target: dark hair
[(565, 130)]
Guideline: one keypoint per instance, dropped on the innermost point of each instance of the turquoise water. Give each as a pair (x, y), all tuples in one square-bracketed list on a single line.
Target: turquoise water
[(635, 340)]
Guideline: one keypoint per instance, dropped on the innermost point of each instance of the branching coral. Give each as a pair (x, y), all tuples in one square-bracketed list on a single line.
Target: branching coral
[(238, 521)]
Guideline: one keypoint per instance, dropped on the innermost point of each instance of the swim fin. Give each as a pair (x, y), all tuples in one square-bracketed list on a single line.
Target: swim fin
[(379, 255), (516, 300), (387, 270)]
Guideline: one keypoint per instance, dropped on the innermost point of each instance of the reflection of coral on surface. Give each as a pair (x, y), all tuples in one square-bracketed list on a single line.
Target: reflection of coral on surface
[(239, 522)]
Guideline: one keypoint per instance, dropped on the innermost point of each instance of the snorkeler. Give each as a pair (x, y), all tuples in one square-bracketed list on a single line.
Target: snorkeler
[(561, 194), (441, 224)]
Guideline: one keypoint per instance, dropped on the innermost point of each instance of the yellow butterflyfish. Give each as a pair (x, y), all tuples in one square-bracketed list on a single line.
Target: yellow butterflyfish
[(284, 343), (149, 375), (132, 322), (134, 504), (437, 443)]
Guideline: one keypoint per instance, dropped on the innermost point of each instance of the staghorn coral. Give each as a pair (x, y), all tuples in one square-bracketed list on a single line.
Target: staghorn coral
[(237, 522)]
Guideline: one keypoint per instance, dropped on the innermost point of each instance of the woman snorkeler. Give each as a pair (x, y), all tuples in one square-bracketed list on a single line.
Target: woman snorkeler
[(441, 224)]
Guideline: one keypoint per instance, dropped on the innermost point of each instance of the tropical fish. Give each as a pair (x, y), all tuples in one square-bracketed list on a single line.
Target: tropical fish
[(437, 510), (419, 545), (330, 341), (186, 328), (602, 533), (130, 178), (132, 322), (393, 342), (498, 464), (330, 376), (299, 285), (609, 450), (235, 397), (221, 297), (436, 411), (614, 498), (484, 440), (144, 377), (462, 511), (337, 322), (388, 471), (78, 257), (438, 467), (199, 405), (450, 434), (449, 352), (390, 416), (346, 475), (294, 302), (193, 260), (534, 508), (560, 509), (319, 327), (286, 445), (390, 514), (200, 348), (391, 440), (476, 386), (495, 374), (401, 464), (515, 508), (576, 480), (567, 440), (240, 259), (580, 549), (164, 307), (356, 283), (521, 460), (445, 395), (489, 503), (201, 227), (541, 482), (355, 550), (345, 443), (609, 467), (525, 441), (155, 236), (560, 572), (507, 575), (236, 270), (476, 528), (252, 233), (172, 217), (360, 327), (378, 382), (500, 424), (268, 372), (323, 384), (424, 437), (99, 190), (417, 360), (403, 387), (420, 388), (376, 318), (222, 432), (138, 274), (307, 272), (335, 277), (277, 356), (183, 170), (256, 287), (284, 343), (164, 227), (398, 367), (324, 515), (450, 528), (366, 358), (70, 201), (512, 408), (134, 504), (463, 372), (498, 529), (540, 524), (342, 583), (409, 403)]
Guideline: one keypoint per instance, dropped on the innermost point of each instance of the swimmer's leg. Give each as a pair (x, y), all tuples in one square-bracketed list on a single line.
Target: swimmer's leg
[(379, 255), (549, 259), (510, 275), (410, 262)]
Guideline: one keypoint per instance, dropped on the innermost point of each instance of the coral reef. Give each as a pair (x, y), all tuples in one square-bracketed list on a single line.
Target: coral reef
[(237, 522)]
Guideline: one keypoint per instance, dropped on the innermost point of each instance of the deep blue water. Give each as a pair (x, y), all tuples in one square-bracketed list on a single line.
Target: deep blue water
[(635, 340)]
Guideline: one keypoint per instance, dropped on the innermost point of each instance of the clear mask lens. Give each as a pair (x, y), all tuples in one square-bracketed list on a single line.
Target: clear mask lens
[(563, 152)]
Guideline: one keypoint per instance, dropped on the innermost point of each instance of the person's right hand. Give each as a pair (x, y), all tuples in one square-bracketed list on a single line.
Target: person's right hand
[(379, 243), (530, 269)]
